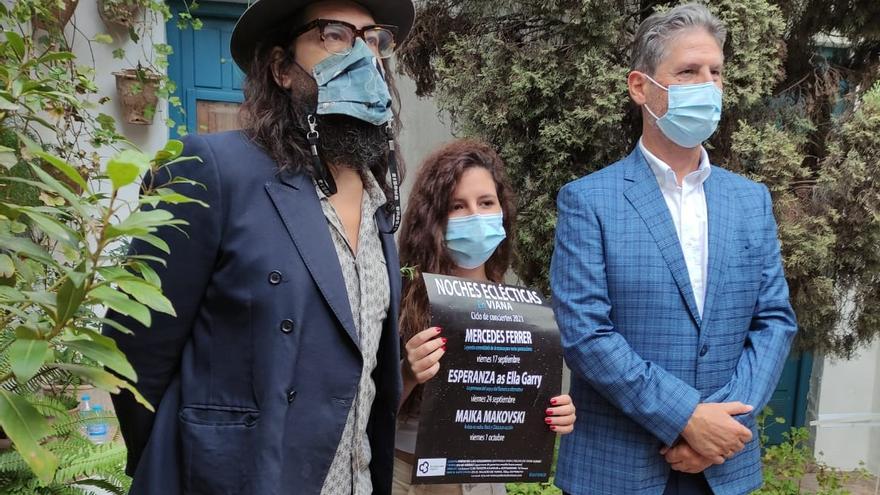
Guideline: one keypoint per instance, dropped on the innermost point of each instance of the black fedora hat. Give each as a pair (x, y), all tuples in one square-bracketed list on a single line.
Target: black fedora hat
[(265, 16)]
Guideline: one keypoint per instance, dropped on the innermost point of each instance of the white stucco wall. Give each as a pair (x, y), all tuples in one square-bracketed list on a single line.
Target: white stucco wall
[(850, 387), (147, 138), (423, 130)]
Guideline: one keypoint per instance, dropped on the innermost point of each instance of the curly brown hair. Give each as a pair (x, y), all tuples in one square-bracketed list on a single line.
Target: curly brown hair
[(423, 230)]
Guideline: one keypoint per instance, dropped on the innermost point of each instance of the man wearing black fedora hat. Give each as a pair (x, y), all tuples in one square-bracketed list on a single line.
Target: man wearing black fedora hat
[(280, 373)]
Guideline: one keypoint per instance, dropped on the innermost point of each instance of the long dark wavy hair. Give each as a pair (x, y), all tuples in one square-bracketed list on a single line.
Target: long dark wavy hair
[(423, 231), (271, 118)]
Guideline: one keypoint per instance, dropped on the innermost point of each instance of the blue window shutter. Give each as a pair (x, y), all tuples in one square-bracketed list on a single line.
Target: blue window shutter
[(201, 65)]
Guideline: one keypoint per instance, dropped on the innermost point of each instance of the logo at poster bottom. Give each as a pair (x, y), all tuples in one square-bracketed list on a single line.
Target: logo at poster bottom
[(432, 467)]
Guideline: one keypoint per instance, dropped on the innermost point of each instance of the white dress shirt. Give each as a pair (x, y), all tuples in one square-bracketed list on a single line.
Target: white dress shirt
[(687, 205)]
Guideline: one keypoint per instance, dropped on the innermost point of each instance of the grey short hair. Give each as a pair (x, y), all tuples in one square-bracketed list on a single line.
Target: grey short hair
[(653, 35)]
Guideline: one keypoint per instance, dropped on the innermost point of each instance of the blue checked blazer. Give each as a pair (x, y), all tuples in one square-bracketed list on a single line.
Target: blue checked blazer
[(641, 356)]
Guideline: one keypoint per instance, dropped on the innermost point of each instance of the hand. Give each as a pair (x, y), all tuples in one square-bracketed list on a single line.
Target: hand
[(714, 433), (423, 353), (683, 458), (560, 416)]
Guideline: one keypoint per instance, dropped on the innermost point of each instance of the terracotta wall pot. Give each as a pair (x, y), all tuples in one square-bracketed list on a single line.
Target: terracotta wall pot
[(59, 18), (118, 13), (137, 91)]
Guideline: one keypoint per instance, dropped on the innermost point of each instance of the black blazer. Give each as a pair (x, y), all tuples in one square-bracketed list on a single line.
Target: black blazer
[(253, 380)]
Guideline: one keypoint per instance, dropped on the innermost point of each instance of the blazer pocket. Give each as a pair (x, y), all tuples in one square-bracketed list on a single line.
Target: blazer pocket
[(748, 253), (218, 446)]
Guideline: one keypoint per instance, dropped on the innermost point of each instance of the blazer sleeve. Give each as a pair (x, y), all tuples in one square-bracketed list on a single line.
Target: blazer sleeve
[(654, 398), (155, 351), (771, 331)]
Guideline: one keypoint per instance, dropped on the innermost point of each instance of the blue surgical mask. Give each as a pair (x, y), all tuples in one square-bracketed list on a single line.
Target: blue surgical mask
[(471, 240), (692, 114), (353, 85)]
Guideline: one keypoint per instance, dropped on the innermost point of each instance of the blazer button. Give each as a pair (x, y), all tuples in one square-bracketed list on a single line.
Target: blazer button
[(704, 350), (287, 326), (275, 277), (291, 395)]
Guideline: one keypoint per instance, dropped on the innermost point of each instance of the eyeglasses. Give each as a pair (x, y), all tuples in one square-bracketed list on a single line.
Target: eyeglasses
[(339, 37)]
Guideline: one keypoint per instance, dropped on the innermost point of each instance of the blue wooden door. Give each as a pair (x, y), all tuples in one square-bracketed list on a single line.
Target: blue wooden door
[(208, 81), (789, 401)]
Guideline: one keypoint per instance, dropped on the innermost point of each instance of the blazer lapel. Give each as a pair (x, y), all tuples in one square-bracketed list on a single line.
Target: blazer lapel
[(720, 232), (645, 196), (389, 249), (297, 203)]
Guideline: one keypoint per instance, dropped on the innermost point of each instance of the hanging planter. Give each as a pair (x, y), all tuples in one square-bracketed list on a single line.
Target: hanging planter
[(119, 12), (58, 18), (137, 92)]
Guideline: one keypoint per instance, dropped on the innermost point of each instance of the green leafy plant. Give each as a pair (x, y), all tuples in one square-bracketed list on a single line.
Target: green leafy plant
[(409, 272), (63, 232), (785, 465), (62, 276), (150, 67), (84, 466), (545, 488)]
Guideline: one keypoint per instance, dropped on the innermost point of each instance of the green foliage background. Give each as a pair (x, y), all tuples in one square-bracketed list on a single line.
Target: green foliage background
[(545, 82)]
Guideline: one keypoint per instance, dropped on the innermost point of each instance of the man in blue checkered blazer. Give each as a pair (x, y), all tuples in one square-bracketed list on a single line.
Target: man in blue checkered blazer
[(669, 291)]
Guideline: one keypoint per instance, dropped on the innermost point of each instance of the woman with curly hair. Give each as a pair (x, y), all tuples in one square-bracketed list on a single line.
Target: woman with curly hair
[(459, 222)]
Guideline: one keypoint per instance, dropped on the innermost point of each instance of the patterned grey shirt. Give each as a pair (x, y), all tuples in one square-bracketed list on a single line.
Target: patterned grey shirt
[(366, 281)]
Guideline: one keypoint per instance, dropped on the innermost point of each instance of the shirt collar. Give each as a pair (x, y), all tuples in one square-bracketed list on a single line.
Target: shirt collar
[(374, 197), (666, 176)]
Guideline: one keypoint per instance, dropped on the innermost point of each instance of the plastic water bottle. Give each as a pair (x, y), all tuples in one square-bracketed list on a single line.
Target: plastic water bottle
[(85, 410), (97, 431)]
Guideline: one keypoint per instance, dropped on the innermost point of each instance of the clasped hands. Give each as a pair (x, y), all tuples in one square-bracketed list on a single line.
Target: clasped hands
[(711, 436)]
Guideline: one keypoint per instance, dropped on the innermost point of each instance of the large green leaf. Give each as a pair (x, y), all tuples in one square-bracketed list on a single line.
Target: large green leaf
[(147, 294), (26, 427), (7, 267), (147, 273), (11, 294), (166, 195), (120, 303), (48, 300), (106, 353), (173, 149), (56, 57), (70, 297), (126, 167), (79, 333), (25, 247), (111, 323), (16, 42), (112, 273), (7, 155), (142, 222), (25, 332), (52, 227), (49, 183), (64, 168), (104, 380), (7, 105), (26, 356), (155, 241)]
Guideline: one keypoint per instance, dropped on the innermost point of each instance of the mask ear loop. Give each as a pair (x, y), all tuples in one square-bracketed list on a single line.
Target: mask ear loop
[(659, 86), (395, 178), (323, 177)]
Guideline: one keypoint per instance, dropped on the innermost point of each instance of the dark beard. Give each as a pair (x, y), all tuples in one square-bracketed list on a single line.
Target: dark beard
[(345, 141)]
